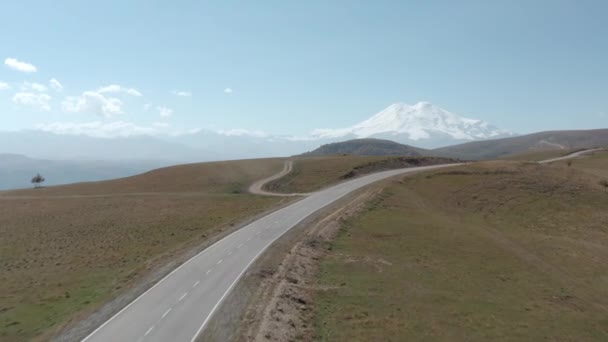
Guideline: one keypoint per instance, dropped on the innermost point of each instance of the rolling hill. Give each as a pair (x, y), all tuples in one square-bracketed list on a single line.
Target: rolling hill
[(93, 242), (542, 141), (368, 147)]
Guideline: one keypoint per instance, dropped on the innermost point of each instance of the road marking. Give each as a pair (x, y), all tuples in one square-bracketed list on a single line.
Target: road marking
[(208, 271), (249, 239), (239, 246), (166, 313), (217, 243), (195, 284), (182, 297), (258, 233), (220, 261), (203, 252), (149, 330), (229, 252)]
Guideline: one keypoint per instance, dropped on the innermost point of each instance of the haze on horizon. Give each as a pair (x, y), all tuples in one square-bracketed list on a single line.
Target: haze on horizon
[(141, 68)]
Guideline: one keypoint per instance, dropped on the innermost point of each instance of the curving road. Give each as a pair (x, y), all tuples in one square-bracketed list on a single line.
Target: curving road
[(178, 307), (257, 187), (571, 155)]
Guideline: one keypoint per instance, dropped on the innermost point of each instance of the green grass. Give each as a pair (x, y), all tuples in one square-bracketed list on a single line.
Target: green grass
[(494, 251)]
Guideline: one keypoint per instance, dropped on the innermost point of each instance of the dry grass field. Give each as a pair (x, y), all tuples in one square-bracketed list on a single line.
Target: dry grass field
[(595, 164), (538, 155), (65, 250), (493, 251)]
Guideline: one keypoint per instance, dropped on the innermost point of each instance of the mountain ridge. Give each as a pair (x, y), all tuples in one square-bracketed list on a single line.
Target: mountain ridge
[(422, 123)]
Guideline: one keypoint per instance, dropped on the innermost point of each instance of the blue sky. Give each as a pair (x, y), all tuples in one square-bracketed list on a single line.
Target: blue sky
[(293, 66)]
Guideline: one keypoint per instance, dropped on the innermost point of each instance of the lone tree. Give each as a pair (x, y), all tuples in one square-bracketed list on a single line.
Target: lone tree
[(37, 180)]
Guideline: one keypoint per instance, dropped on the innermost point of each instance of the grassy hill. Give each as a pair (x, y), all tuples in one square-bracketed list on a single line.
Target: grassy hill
[(312, 173), (491, 251), (553, 143), (68, 249), (543, 141), (367, 147)]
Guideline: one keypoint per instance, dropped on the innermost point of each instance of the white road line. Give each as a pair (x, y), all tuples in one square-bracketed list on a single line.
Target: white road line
[(220, 261), (234, 283), (208, 271), (258, 233), (196, 284), (182, 297), (206, 251), (249, 239), (239, 246), (149, 330), (166, 313)]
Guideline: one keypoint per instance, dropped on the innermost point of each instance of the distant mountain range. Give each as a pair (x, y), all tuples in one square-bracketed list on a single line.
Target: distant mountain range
[(421, 125), (69, 158), (477, 150)]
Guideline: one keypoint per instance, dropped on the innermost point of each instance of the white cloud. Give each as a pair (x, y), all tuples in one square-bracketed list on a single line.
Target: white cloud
[(243, 132), (39, 101), (228, 90), (18, 65), (147, 107), (115, 88), (182, 93), (133, 92), (33, 86), (100, 129), (93, 102), (164, 111), (56, 85), (4, 86), (104, 129)]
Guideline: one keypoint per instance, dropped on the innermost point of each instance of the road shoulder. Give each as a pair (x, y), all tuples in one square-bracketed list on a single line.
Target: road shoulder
[(270, 301)]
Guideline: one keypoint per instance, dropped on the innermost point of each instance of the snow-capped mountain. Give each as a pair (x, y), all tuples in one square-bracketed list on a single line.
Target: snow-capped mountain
[(423, 125)]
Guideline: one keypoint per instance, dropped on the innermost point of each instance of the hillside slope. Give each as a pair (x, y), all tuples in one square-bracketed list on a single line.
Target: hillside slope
[(551, 140), (495, 251), (66, 250)]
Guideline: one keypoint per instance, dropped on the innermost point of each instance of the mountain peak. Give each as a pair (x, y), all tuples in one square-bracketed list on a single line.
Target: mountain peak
[(423, 123), (423, 105)]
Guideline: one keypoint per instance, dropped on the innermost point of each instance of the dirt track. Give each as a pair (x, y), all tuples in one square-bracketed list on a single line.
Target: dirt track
[(257, 187)]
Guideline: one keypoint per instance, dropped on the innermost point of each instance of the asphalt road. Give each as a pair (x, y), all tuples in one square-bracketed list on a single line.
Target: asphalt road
[(177, 308)]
